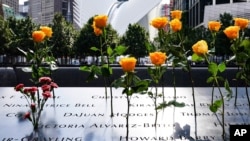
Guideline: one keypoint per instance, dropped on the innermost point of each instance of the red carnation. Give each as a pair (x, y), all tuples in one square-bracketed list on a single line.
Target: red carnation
[(26, 115), (26, 90), (19, 87), (45, 80), (46, 87), (46, 94), (53, 85), (33, 90)]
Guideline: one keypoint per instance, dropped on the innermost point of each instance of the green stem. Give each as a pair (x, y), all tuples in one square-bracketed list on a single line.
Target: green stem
[(39, 113), (236, 89), (102, 62), (247, 93), (105, 87), (223, 104), (111, 101), (212, 100), (174, 82), (128, 80), (155, 104), (127, 118), (223, 109), (195, 112), (173, 73)]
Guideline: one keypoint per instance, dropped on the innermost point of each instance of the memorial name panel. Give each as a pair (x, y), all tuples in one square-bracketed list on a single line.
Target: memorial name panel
[(83, 114)]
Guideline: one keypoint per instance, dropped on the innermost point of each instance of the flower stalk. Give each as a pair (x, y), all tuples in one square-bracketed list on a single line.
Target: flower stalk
[(130, 83), (107, 54), (200, 50), (156, 73)]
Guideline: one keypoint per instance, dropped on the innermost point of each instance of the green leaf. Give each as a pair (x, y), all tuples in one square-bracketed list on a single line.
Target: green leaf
[(141, 86), (106, 70), (197, 58), (91, 76), (85, 68), (241, 57), (222, 67), (172, 102), (150, 94), (210, 79), (220, 78), (177, 104), (109, 51), (216, 105), (213, 68), (246, 44), (94, 49), (127, 91), (149, 47), (111, 59), (120, 49), (120, 82), (228, 89)]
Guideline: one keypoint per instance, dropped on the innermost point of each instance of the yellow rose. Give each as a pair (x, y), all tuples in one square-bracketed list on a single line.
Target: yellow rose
[(214, 26), (128, 64), (200, 48), (232, 32), (175, 25), (38, 36), (158, 58), (176, 14), (46, 30), (241, 22), (159, 22), (100, 21)]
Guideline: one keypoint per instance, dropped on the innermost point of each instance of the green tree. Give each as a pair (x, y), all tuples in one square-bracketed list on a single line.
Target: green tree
[(135, 38), (87, 39), (63, 37), (22, 31), (226, 20), (222, 44), (5, 36)]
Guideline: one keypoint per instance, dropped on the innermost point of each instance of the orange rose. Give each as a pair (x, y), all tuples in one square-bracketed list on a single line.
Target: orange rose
[(128, 64), (46, 30), (176, 25), (100, 21), (200, 48), (158, 58), (242, 23), (176, 14), (97, 31), (159, 22), (214, 26), (232, 32), (38, 36)]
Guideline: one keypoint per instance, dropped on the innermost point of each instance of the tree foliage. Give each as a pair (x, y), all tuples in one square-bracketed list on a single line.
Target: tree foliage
[(22, 30), (87, 39), (135, 38), (5, 36), (63, 36), (222, 44)]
